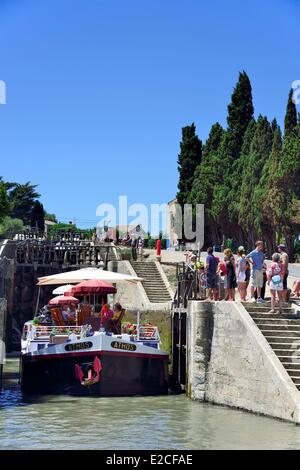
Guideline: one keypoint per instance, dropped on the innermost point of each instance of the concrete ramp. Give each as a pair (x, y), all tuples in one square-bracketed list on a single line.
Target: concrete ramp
[(230, 362)]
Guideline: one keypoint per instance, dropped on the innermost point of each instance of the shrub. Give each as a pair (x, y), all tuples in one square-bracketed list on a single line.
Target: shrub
[(230, 244), (151, 243), (297, 247), (10, 226)]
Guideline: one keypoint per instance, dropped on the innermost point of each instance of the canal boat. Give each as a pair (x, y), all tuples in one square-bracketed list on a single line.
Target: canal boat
[(76, 360)]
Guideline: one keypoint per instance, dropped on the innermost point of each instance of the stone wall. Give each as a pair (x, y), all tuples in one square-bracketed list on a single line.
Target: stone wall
[(199, 338), (231, 363), (3, 309)]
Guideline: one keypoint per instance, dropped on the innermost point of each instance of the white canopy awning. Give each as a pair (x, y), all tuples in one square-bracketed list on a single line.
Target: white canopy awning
[(73, 277)]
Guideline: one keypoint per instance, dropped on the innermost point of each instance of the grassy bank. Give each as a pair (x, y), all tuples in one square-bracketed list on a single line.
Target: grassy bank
[(160, 319)]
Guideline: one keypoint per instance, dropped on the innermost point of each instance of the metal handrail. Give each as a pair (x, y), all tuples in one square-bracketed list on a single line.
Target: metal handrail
[(47, 330), (148, 333)]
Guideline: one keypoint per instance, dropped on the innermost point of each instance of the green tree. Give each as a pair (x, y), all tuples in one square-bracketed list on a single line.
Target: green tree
[(259, 153), (4, 201), (188, 159), (22, 198), (235, 194), (290, 120), (289, 187), (51, 217), (207, 175), (37, 216), (268, 197), (240, 112), (9, 226)]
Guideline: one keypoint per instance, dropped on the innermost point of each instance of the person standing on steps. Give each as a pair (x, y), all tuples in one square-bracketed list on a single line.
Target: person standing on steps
[(275, 280), (211, 274), (256, 258), (284, 258), (140, 248), (241, 266), (230, 275), (134, 244)]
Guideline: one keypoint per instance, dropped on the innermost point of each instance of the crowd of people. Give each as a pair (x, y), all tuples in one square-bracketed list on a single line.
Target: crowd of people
[(242, 270)]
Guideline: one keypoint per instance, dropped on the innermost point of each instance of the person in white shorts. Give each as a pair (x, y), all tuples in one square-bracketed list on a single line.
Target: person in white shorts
[(256, 258), (275, 281), (241, 265)]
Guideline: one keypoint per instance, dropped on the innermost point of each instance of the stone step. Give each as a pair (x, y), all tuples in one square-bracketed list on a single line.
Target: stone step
[(152, 272), (265, 309), (292, 366), (282, 339), (156, 286), (288, 359), (296, 380), (280, 321), (158, 294), (157, 291), (276, 326), (294, 372), (285, 352), (284, 346), (283, 333), (276, 316), (152, 283)]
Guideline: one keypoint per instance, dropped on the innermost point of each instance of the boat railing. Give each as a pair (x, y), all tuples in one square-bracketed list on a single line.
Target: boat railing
[(46, 331), (147, 333)]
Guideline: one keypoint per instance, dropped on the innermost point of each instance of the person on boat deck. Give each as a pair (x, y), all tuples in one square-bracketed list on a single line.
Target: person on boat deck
[(69, 315), (117, 311), (116, 315), (72, 312), (65, 312), (106, 313)]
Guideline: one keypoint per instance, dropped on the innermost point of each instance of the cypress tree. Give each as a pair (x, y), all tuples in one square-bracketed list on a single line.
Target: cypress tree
[(234, 196), (268, 197), (207, 175), (290, 120), (259, 153), (38, 216), (289, 187), (4, 202), (240, 112), (188, 159)]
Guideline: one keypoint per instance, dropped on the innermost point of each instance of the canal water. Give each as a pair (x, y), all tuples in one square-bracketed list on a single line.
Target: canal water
[(171, 422)]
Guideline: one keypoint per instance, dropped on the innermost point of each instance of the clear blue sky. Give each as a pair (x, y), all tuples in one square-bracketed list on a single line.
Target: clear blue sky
[(98, 91)]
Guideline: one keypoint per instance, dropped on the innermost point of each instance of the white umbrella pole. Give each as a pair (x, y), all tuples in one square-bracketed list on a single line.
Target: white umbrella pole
[(37, 300)]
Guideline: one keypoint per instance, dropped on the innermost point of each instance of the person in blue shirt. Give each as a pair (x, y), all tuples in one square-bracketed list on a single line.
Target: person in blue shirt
[(256, 258), (211, 274)]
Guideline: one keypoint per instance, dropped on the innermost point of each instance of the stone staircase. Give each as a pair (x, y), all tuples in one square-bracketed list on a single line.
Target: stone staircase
[(282, 333), (153, 282)]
